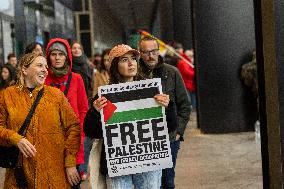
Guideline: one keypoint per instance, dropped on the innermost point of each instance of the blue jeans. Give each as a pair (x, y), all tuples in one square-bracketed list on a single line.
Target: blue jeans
[(168, 178), (87, 149), (147, 180), (192, 97)]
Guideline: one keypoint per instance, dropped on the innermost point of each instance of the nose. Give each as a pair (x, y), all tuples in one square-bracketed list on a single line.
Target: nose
[(44, 69), (151, 54), (57, 56), (130, 62)]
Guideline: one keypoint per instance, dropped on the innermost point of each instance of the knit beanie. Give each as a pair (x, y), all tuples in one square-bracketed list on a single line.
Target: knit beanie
[(58, 46)]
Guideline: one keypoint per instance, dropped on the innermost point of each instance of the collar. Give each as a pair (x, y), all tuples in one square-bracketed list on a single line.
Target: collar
[(34, 92)]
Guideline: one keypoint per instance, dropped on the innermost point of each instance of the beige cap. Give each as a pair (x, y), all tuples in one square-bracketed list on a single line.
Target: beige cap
[(120, 50)]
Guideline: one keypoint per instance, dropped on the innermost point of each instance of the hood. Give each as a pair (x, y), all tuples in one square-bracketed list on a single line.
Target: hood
[(66, 44)]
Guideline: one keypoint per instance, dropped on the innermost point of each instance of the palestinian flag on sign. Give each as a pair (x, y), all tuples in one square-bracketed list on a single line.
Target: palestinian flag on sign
[(132, 105)]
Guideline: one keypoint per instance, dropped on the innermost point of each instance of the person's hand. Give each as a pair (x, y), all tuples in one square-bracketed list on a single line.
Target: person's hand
[(27, 149), (162, 99), (100, 103), (73, 176)]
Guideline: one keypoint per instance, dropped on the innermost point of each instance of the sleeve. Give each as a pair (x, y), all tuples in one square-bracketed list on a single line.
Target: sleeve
[(185, 70), (96, 83), (93, 124), (8, 137), (82, 100), (183, 104), (71, 127)]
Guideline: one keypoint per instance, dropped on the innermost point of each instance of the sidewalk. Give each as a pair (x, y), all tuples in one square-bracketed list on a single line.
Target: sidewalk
[(226, 161), (2, 177)]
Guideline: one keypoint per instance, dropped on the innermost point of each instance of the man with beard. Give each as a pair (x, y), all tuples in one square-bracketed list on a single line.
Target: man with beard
[(178, 109)]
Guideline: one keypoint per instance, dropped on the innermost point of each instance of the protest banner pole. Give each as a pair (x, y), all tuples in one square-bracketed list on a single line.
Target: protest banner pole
[(161, 43)]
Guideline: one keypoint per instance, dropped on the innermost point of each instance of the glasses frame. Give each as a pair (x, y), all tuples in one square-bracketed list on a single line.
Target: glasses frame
[(153, 52)]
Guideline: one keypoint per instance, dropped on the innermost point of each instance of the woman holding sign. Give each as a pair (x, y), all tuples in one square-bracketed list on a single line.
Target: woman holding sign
[(124, 68)]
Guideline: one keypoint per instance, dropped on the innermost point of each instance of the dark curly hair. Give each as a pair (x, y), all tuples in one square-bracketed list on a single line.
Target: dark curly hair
[(115, 77)]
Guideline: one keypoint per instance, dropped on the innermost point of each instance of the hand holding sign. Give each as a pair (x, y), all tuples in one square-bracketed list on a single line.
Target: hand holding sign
[(134, 127), (100, 103), (162, 99)]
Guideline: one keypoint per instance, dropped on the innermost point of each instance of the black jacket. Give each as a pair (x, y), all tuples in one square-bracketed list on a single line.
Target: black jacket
[(93, 129), (178, 110)]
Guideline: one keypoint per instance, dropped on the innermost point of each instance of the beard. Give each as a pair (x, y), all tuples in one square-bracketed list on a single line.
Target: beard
[(152, 64)]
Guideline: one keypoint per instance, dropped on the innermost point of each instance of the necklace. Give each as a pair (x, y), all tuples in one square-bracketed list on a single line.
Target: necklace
[(31, 91)]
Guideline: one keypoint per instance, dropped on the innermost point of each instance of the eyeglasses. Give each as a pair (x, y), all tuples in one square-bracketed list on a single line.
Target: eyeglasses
[(153, 52)]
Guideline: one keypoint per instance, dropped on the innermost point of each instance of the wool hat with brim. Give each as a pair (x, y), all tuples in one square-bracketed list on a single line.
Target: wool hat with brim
[(120, 50), (58, 46)]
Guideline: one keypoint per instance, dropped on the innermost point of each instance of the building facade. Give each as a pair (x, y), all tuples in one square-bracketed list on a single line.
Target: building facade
[(40, 20), (7, 34)]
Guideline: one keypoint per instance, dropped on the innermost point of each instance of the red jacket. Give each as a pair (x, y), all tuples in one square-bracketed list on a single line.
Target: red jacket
[(187, 74), (76, 94)]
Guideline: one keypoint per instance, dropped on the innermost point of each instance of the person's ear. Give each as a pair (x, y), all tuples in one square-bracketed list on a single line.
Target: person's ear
[(24, 70)]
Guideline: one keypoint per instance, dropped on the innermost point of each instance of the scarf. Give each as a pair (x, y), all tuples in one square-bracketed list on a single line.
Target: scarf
[(59, 72), (80, 64)]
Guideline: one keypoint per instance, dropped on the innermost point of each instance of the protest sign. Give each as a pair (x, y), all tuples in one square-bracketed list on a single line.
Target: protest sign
[(134, 128)]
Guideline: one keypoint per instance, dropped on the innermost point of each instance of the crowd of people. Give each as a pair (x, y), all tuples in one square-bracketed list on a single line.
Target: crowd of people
[(63, 145)]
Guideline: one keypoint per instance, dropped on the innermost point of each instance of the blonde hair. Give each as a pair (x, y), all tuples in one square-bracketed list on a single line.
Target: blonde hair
[(25, 61)]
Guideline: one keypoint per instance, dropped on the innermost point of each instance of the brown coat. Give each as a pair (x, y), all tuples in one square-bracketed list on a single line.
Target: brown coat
[(54, 131), (101, 79)]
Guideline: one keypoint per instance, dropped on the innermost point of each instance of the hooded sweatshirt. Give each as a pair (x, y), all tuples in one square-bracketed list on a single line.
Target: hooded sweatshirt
[(76, 94)]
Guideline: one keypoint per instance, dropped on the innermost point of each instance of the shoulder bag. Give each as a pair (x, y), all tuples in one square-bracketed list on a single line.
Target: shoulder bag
[(9, 155)]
